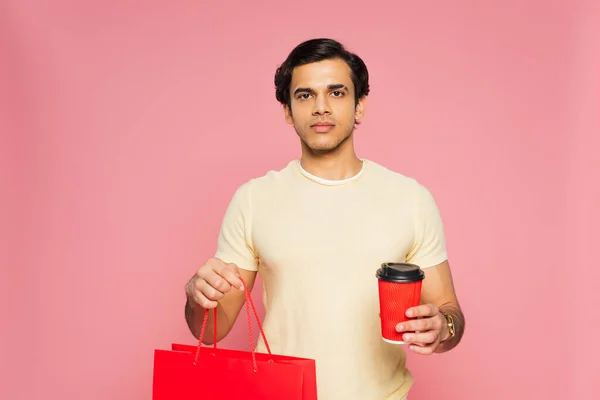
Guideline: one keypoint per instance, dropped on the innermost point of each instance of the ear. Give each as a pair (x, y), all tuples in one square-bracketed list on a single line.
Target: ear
[(359, 111), (288, 114)]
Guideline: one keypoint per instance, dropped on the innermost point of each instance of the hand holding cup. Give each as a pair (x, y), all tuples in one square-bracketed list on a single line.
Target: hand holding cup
[(425, 329)]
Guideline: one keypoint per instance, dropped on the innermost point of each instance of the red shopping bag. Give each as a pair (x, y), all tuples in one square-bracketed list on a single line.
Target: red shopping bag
[(196, 372)]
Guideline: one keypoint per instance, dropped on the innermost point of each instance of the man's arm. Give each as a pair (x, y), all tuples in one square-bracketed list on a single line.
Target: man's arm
[(427, 331), (438, 290), (217, 283)]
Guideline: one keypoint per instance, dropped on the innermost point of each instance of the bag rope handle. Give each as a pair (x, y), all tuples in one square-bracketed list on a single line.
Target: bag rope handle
[(249, 304)]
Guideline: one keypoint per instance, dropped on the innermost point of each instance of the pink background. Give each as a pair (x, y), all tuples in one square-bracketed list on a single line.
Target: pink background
[(126, 129)]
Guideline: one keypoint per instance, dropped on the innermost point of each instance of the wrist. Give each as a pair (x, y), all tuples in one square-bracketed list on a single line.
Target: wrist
[(448, 329)]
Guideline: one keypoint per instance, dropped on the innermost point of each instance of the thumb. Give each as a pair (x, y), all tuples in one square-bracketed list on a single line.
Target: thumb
[(234, 277)]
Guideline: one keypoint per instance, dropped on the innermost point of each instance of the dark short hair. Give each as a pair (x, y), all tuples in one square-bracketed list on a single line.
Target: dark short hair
[(315, 50)]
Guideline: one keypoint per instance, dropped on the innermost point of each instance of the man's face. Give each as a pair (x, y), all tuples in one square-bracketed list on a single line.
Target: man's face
[(323, 110)]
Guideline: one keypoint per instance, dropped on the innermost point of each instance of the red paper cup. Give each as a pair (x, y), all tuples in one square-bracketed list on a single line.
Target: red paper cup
[(399, 289)]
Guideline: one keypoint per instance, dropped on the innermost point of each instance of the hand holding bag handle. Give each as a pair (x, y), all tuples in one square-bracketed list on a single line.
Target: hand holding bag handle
[(249, 304)]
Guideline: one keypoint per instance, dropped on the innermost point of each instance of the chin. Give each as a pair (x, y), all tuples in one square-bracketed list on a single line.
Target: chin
[(323, 147), (322, 142)]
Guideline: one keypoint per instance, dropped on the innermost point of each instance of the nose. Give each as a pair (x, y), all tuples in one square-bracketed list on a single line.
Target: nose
[(321, 106)]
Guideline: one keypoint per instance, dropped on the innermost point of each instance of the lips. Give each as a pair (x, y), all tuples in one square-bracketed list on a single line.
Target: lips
[(323, 127)]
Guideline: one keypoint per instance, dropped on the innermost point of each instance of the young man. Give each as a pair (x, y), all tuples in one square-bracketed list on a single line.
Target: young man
[(317, 231)]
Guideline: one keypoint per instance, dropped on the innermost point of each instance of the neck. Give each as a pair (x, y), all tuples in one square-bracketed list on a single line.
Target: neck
[(337, 165)]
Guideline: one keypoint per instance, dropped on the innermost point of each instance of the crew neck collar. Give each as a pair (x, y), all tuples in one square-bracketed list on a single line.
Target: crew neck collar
[(330, 182)]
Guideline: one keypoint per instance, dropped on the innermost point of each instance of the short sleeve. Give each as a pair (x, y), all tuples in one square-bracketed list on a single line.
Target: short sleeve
[(234, 243), (429, 248)]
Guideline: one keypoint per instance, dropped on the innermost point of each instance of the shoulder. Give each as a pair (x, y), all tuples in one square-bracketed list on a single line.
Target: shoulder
[(400, 187), (393, 180), (267, 182), (276, 176)]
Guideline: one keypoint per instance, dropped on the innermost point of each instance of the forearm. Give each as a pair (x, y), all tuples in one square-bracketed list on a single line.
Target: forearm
[(194, 316), (459, 327)]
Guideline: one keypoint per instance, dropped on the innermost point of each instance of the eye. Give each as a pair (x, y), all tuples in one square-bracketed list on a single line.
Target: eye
[(337, 93), (304, 96)]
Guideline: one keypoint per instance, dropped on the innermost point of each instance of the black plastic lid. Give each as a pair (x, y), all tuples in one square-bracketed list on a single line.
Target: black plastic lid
[(400, 272)]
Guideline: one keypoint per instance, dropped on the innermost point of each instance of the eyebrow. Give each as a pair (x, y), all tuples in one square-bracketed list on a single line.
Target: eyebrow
[(335, 86)]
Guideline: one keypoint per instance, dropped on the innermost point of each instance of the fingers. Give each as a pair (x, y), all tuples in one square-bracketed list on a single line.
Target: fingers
[(216, 284), (209, 291), (424, 350), (422, 332), (230, 273), (420, 325), (425, 310), (204, 301), (422, 342), (421, 338), (212, 281)]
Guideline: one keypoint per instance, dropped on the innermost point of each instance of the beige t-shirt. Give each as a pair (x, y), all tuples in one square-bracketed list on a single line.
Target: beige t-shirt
[(316, 245)]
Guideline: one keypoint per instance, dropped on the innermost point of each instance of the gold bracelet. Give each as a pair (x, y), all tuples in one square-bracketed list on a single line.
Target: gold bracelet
[(449, 324)]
